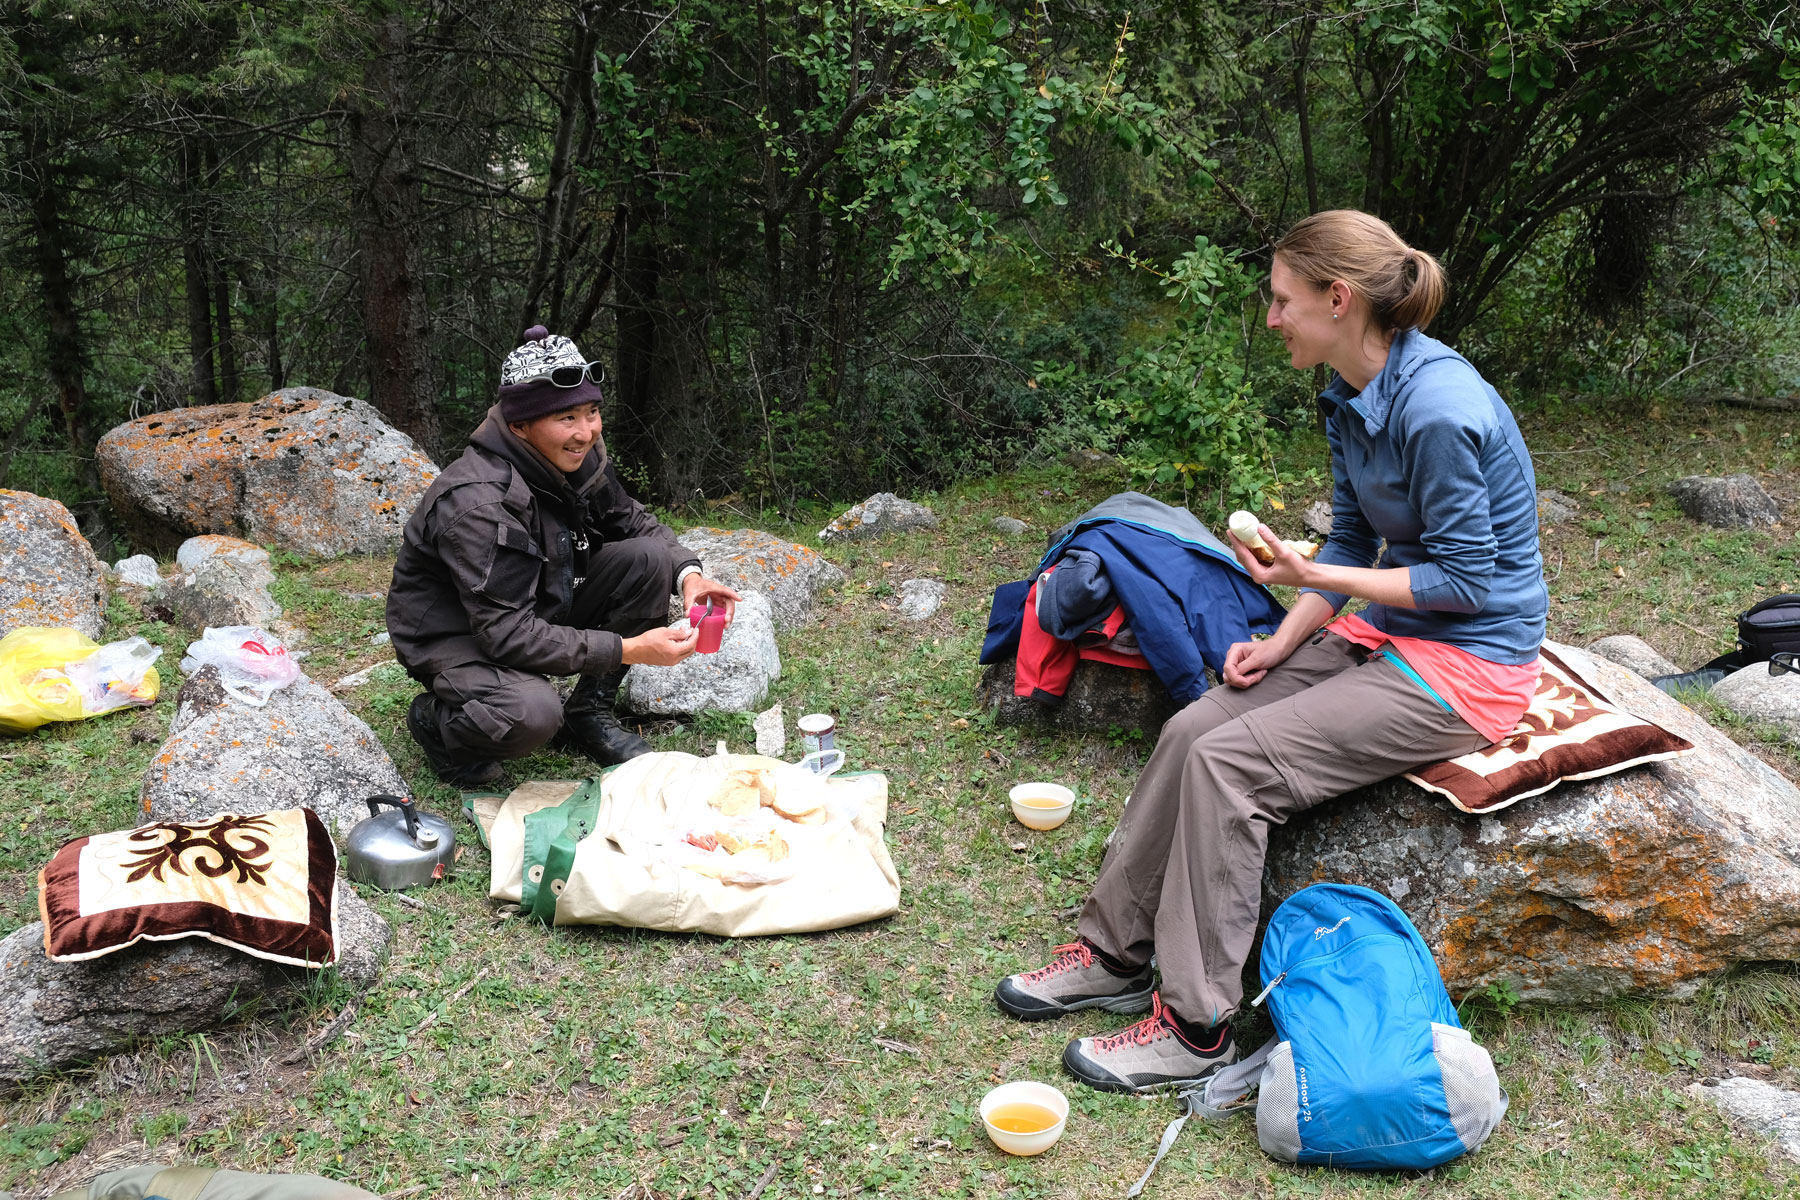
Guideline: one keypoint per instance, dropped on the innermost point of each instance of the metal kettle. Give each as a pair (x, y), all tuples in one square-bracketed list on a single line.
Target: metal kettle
[(399, 847)]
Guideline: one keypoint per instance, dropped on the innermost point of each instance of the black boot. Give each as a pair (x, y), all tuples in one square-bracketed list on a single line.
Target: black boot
[(591, 726), (422, 723)]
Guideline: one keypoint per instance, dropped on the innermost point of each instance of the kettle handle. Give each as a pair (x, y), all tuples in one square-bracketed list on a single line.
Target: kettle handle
[(406, 810)]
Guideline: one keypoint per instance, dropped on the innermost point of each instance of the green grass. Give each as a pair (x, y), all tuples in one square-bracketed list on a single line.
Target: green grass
[(592, 1062)]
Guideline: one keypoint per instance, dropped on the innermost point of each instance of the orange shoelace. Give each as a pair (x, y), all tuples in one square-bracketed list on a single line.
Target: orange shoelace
[(1063, 958), (1150, 1029)]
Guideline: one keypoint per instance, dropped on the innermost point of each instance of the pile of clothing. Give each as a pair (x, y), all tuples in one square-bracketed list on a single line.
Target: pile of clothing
[(1132, 582)]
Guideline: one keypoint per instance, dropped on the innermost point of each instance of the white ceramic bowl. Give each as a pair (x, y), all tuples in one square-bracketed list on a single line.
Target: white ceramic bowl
[(1041, 815), (1027, 1092)]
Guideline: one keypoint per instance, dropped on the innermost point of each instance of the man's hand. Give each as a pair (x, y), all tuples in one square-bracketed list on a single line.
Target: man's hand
[(1247, 662), (662, 647), (1288, 568), (696, 589)]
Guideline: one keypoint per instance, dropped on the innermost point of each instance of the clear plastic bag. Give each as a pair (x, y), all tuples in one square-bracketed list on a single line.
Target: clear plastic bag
[(253, 664), (62, 675)]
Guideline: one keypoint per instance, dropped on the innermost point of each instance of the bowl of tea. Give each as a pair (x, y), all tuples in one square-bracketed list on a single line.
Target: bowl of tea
[(1041, 805), (1024, 1118)]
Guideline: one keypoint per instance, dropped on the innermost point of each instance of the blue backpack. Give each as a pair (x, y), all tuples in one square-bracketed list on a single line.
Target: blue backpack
[(1369, 1066)]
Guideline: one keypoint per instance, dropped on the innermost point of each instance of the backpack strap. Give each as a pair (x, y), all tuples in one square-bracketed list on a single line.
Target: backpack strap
[(1212, 1099), (180, 1183)]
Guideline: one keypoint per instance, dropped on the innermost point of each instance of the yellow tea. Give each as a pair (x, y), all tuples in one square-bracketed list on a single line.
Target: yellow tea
[(1041, 802), (1021, 1117)]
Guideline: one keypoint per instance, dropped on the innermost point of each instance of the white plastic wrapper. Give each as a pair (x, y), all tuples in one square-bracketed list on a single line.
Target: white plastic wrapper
[(253, 664), (113, 676)]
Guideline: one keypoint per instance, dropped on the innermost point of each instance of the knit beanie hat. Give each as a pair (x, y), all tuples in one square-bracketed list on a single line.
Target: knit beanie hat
[(526, 389)]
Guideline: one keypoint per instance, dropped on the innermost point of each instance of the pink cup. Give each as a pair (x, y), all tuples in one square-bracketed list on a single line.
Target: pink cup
[(710, 623)]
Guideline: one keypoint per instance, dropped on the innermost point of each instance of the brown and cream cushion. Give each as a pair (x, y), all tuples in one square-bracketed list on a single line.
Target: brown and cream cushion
[(1569, 732), (265, 884)]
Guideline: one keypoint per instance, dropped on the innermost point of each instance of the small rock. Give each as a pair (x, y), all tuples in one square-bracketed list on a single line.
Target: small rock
[(1317, 519), (771, 732), (1761, 1107), (197, 550), (1010, 526), (1634, 654), (303, 469), (1727, 502), (1091, 460), (1554, 507), (55, 1016), (137, 571), (920, 598), (1756, 695), (357, 678), (49, 574), (302, 748), (736, 679), (749, 560), (1101, 697), (381, 639), (880, 514), (225, 589)]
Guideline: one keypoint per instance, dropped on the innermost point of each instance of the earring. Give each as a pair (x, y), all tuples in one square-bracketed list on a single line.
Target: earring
[(1334, 316)]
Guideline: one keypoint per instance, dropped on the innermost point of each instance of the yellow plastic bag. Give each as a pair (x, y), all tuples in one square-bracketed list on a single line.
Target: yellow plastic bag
[(62, 675)]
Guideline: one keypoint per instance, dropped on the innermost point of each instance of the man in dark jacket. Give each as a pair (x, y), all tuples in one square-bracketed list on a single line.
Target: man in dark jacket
[(527, 559)]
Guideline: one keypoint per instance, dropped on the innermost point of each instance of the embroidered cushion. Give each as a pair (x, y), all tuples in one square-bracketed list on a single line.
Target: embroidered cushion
[(1569, 732), (265, 884)]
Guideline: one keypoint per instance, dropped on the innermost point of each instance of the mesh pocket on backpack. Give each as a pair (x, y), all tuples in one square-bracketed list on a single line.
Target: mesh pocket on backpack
[(1472, 1089), (1278, 1106)]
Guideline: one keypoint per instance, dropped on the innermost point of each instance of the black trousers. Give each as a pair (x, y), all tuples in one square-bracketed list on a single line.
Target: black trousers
[(488, 710)]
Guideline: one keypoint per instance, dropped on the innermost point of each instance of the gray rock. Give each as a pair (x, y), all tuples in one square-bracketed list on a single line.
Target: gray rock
[(224, 589), (1092, 460), (303, 469), (1644, 882), (49, 575), (1010, 526), (54, 1016), (302, 748), (880, 514), (788, 574), (197, 551), (1317, 519), (381, 639), (1101, 697), (920, 598), (1761, 1107), (1756, 695), (387, 670), (736, 679), (1634, 654), (1554, 507), (771, 732), (1727, 502), (137, 571)]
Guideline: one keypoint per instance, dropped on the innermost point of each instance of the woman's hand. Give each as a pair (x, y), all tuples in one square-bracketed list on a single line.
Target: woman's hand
[(662, 647), (1247, 662), (1288, 569)]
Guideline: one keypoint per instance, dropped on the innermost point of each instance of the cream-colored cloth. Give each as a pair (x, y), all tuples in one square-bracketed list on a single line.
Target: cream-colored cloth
[(636, 867)]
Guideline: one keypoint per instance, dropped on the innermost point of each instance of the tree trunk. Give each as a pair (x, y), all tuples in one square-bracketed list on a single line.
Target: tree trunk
[(193, 260), (553, 227), (388, 208), (636, 407)]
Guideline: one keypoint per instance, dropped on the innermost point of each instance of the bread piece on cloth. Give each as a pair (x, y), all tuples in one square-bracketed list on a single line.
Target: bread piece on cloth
[(1569, 732), (264, 884)]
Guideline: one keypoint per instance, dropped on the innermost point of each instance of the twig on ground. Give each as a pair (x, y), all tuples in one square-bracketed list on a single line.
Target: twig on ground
[(768, 1177), (411, 901), (1711, 637), (897, 1046), (321, 1039), (678, 1135), (432, 1016), (414, 1190)]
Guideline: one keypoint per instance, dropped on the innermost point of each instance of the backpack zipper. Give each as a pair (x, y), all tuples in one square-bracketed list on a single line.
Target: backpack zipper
[(1264, 994)]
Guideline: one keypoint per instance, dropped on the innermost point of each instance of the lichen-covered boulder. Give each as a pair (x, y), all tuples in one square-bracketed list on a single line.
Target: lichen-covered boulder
[(224, 581), (788, 574), (54, 1015), (1725, 502), (736, 679), (1101, 697), (1644, 882), (302, 469), (302, 749), (881, 514), (49, 574)]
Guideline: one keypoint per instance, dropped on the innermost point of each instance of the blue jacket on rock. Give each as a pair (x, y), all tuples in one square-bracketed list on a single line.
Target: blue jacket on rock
[(1429, 459)]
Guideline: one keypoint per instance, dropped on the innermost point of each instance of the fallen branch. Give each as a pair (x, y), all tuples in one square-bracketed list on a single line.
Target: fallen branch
[(323, 1038), (432, 1016), (768, 1177)]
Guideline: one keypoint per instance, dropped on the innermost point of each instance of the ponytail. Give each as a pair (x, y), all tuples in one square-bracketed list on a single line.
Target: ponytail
[(1405, 287)]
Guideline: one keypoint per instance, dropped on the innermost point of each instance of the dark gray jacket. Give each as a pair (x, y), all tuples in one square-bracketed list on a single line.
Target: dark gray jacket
[(492, 554)]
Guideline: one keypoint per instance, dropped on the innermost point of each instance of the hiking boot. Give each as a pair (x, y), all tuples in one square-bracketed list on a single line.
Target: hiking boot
[(590, 725), (422, 723), (1149, 1056), (1074, 980)]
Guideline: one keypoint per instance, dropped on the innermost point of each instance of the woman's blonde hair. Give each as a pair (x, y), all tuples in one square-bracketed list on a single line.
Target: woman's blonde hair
[(1404, 287)]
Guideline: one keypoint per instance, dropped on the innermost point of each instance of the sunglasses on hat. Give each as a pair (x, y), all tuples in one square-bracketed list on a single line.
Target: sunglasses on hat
[(569, 376)]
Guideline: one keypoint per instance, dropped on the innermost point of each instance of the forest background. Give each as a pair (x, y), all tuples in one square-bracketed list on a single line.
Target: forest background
[(825, 248)]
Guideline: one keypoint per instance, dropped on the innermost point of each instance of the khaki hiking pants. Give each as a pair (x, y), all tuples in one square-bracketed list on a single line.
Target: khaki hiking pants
[(1183, 877)]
